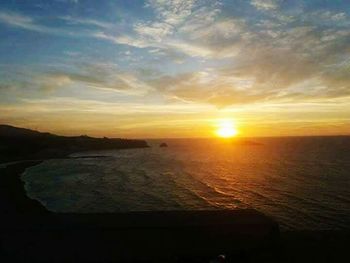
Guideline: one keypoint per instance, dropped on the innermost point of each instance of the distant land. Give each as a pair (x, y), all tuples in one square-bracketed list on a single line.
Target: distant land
[(19, 144)]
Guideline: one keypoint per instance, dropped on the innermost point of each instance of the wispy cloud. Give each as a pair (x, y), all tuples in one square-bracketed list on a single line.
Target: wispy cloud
[(265, 4), (124, 40), (172, 12), (96, 76), (86, 22), (18, 20), (276, 62), (21, 21)]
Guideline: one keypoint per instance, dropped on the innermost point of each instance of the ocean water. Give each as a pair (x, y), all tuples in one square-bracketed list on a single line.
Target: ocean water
[(302, 182)]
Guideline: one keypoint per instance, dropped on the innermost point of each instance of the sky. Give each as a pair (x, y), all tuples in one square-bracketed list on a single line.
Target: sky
[(176, 68)]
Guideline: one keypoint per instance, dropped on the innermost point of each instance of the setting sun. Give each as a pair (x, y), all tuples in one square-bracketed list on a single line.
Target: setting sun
[(226, 129)]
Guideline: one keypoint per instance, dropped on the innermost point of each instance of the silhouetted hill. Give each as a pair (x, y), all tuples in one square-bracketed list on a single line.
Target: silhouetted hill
[(19, 143), (11, 131)]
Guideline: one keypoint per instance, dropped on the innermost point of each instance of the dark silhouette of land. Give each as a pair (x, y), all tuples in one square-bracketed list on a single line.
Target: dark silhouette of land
[(19, 144)]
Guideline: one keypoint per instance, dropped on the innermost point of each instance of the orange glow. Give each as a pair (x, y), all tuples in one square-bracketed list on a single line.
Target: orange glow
[(226, 129)]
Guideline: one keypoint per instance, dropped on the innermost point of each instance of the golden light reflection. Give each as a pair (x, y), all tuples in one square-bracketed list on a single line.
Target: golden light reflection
[(226, 129)]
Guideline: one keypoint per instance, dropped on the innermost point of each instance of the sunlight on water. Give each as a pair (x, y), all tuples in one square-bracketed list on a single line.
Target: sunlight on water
[(302, 182)]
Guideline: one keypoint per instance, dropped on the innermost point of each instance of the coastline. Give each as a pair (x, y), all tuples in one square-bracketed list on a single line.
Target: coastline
[(31, 233), (14, 199)]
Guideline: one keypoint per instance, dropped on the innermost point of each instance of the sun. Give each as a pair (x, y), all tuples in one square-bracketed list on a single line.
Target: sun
[(226, 129)]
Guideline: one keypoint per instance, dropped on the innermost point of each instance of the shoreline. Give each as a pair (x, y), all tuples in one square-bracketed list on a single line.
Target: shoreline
[(31, 233), (14, 198)]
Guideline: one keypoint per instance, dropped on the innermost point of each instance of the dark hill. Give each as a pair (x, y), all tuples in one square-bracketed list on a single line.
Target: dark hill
[(19, 143), (11, 131)]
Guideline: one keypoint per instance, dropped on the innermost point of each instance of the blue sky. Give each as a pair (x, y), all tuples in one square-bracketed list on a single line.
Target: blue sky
[(173, 68)]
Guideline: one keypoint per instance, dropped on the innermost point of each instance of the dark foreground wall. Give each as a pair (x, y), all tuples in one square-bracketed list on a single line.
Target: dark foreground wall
[(154, 236), (243, 236)]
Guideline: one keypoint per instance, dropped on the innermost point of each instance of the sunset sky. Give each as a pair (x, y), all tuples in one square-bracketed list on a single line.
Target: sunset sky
[(176, 68)]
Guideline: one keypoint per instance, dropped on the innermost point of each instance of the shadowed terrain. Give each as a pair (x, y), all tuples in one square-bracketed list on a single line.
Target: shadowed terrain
[(19, 144)]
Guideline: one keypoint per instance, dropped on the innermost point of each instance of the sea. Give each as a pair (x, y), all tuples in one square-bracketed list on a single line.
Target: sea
[(302, 182)]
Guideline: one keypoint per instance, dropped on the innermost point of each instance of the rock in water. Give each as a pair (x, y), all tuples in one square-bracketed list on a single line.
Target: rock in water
[(163, 145)]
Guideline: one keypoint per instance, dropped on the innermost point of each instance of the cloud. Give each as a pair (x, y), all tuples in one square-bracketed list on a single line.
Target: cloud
[(206, 87), (173, 28), (35, 24), (173, 19), (32, 24), (172, 12), (156, 31), (265, 4), (49, 83), (97, 76), (297, 63), (68, 1), (329, 16), (86, 22), (21, 21), (277, 56), (169, 15), (59, 104), (124, 40), (168, 46)]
